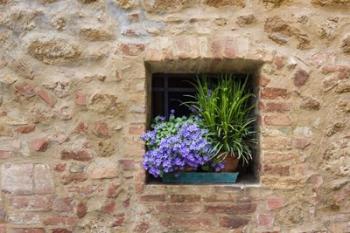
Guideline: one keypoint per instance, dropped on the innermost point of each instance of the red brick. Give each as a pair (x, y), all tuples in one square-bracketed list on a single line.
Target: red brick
[(31, 203), (278, 157), (82, 127), (216, 48), (276, 107), (132, 49), (178, 208), (109, 207), (101, 129), (220, 198), (326, 69), (279, 62), (188, 223), (25, 128), (126, 203), (5, 154), (137, 129), (185, 198), (60, 220), (80, 98), (119, 220), (301, 143), (276, 143), (113, 190), (25, 89), (274, 93), (2, 228), (61, 167), (230, 48), (127, 164), (74, 177), (27, 230), (278, 120), (153, 197), (185, 47), (81, 155), (265, 220), (241, 208), (39, 144), (46, 97), (63, 204), (81, 210), (61, 230), (277, 170), (300, 78), (275, 202), (233, 222), (142, 227)]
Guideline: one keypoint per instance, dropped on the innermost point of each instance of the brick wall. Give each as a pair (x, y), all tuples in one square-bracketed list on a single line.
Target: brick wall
[(73, 103)]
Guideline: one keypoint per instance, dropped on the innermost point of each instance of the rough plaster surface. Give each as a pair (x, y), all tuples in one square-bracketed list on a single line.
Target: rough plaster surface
[(73, 103)]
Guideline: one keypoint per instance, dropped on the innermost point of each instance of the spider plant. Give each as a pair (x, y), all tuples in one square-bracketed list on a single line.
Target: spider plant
[(225, 110)]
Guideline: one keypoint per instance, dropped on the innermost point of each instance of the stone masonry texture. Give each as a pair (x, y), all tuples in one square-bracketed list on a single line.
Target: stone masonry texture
[(74, 101)]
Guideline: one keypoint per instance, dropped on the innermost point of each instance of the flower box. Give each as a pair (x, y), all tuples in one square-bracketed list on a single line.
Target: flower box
[(200, 178)]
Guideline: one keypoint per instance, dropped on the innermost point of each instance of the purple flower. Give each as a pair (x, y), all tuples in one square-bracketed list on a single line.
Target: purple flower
[(173, 148)]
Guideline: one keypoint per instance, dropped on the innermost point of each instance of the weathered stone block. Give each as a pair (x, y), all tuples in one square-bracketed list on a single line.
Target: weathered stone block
[(158, 6), (244, 20), (233, 222), (43, 180), (331, 2), (17, 178), (275, 202), (103, 169), (53, 51), (63, 204), (346, 43), (220, 3), (310, 103), (265, 220), (31, 203), (101, 129), (39, 144), (23, 218), (300, 78), (96, 34)]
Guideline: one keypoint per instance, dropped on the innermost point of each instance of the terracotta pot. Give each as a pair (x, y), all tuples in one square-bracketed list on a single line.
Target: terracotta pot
[(230, 164), (189, 169)]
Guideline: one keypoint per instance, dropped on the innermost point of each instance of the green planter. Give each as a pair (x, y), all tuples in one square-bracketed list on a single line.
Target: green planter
[(201, 178)]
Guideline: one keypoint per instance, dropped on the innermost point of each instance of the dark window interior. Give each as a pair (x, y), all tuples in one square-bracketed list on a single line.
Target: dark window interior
[(169, 91)]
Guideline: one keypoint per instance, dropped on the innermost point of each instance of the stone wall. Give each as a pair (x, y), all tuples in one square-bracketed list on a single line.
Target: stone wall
[(73, 103)]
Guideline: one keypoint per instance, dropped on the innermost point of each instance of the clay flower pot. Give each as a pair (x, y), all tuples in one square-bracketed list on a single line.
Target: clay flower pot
[(230, 164)]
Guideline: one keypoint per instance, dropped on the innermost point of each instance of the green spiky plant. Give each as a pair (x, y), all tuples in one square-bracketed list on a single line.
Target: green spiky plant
[(225, 110)]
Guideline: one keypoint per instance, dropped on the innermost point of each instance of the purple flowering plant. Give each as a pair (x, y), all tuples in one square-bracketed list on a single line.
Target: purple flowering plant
[(177, 144)]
